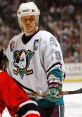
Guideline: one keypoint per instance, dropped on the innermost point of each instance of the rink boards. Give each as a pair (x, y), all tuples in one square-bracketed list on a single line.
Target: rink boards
[(73, 72)]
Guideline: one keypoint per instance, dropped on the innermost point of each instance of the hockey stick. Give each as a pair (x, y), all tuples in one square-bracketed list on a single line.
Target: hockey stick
[(35, 94), (60, 94), (78, 91)]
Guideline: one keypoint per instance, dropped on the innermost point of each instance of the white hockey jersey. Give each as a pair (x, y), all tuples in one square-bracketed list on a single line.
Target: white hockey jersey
[(29, 63)]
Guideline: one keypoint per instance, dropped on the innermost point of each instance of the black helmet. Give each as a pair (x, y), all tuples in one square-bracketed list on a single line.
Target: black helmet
[(3, 59)]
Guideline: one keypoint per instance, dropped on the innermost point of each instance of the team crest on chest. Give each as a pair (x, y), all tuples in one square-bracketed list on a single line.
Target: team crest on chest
[(21, 62)]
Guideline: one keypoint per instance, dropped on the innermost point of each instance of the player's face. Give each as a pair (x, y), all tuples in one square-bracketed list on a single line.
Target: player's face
[(29, 24)]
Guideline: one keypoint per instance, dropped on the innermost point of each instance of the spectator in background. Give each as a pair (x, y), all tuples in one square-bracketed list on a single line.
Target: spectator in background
[(52, 12)]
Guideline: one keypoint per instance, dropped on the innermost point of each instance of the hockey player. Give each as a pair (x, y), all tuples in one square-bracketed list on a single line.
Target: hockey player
[(35, 61), (12, 96)]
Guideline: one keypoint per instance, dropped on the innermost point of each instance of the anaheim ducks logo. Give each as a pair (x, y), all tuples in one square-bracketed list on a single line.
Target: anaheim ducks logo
[(21, 62)]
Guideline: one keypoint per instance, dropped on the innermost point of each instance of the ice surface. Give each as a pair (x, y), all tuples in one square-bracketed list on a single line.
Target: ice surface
[(73, 103)]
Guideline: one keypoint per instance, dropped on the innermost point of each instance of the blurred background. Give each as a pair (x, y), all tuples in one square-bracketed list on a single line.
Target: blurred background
[(63, 18)]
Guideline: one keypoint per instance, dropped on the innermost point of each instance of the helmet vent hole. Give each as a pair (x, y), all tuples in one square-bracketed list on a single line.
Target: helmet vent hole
[(33, 10), (27, 10)]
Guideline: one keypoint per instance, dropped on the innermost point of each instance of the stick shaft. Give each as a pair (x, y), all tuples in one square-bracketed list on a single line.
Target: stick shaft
[(61, 93), (45, 95), (71, 92)]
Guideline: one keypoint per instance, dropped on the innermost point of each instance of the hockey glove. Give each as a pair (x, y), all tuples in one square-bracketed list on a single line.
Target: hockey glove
[(55, 84), (53, 94)]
